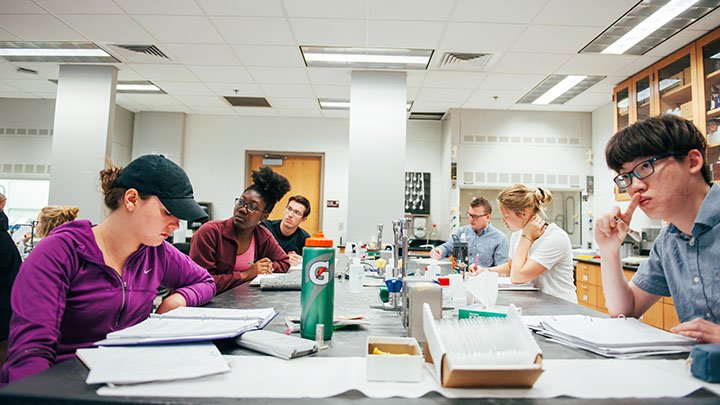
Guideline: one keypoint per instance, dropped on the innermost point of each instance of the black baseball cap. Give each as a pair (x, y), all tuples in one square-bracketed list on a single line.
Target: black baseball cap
[(159, 176)]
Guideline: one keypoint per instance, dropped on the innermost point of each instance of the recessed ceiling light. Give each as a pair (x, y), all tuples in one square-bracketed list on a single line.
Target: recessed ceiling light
[(366, 58), (557, 89), (138, 87), (79, 52), (341, 104), (648, 24)]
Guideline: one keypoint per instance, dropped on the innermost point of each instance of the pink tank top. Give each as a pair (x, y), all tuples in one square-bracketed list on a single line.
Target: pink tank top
[(242, 260)]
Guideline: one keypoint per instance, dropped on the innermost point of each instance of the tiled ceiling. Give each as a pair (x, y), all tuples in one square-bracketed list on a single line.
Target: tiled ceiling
[(251, 48)]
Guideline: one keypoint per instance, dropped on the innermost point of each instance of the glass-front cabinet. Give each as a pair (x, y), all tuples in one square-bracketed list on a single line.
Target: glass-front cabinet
[(675, 83), (709, 71), (644, 95), (622, 105)]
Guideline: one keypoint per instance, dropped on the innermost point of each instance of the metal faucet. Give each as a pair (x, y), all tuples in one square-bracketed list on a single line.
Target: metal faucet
[(379, 236)]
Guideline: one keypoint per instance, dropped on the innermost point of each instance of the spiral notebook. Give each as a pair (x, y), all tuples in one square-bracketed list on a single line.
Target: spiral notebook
[(189, 324)]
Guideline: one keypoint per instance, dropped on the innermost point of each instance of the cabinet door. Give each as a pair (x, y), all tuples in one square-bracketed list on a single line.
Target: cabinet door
[(708, 49), (587, 294), (670, 316), (621, 97), (644, 95), (675, 75), (654, 315)]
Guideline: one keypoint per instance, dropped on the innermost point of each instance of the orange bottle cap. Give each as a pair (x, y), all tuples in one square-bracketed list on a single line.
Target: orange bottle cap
[(319, 239)]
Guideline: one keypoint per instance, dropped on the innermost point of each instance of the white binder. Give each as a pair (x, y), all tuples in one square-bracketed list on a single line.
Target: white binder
[(277, 344)]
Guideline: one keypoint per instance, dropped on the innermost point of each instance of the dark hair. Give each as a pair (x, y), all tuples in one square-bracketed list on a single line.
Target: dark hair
[(303, 201), (270, 185), (112, 194), (656, 136), (481, 202)]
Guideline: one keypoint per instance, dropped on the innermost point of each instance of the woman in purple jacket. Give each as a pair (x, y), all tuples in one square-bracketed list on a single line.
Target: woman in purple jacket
[(237, 249), (84, 281)]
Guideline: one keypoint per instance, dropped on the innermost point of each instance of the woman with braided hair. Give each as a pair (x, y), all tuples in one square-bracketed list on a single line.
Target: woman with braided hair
[(237, 249)]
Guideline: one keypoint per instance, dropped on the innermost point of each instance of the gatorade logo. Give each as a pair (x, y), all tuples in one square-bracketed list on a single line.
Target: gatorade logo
[(319, 274)]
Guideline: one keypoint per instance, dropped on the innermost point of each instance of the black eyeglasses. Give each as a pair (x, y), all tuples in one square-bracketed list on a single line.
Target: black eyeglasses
[(250, 206), (641, 171)]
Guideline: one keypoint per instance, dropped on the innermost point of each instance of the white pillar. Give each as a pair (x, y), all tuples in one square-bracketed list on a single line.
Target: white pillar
[(84, 117), (378, 121)]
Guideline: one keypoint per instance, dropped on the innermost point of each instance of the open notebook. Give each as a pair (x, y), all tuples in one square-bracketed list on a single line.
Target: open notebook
[(188, 324)]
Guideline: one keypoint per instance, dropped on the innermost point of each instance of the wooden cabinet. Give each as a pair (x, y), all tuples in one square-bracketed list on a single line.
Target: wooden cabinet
[(708, 72), (590, 293)]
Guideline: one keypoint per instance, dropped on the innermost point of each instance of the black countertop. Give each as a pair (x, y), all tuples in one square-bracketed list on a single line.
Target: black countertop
[(65, 382)]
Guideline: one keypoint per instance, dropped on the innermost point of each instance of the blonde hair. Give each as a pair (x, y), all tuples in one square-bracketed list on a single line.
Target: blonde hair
[(519, 197), (53, 216)]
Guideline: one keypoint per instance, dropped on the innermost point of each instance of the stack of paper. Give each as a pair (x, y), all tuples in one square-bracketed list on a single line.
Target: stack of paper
[(610, 337), (186, 324), (504, 284), (140, 364)]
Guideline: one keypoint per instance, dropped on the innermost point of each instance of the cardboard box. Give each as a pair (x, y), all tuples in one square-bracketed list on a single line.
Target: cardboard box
[(404, 364), (686, 110), (479, 376)]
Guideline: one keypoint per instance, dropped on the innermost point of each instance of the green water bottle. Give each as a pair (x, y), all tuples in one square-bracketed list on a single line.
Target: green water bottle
[(318, 286)]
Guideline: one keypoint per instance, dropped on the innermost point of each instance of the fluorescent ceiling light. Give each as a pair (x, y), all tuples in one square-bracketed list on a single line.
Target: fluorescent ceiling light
[(97, 52), (651, 24), (366, 58), (339, 104), (137, 87), (560, 88)]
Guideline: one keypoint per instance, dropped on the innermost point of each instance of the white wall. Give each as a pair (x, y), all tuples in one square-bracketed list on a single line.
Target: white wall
[(159, 132), (122, 140), (215, 157), (604, 197), (26, 114)]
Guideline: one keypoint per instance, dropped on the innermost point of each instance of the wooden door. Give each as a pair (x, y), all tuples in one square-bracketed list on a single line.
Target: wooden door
[(304, 172)]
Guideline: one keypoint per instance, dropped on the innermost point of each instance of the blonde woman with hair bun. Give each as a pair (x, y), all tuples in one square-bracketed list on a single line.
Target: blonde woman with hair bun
[(53, 216), (539, 252)]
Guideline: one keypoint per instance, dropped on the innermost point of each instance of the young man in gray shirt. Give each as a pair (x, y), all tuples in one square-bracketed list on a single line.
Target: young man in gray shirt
[(661, 163)]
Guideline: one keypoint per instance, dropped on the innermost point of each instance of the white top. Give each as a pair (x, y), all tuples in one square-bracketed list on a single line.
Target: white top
[(553, 251)]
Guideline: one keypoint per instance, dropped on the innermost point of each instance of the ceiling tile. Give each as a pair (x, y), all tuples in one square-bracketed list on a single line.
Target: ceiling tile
[(329, 32), (184, 88), (533, 107), (202, 101), (21, 7), (332, 76), (33, 85), (586, 13), (254, 31), (109, 28), (434, 106), (336, 114), (180, 29), (175, 7), (422, 10), (415, 78), (205, 54), (588, 98), (45, 70), (293, 112), (243, 89), (324, 91), (16, 94), (59, 7), (606, 85), (8, 36), (8, 87), (256, 111), (487, 99), (7, 70), (45, 95), (519, 82), (579, 108), (535, 63), (636, 65), (595, 64), (268, 55), (555, 39), (126, 73), (288, 90), (264, 75), (177, 73), (405, 34), (155, 100), (457, 95), (412, 93), (453, 79), (36, 27), (709, 22), (473, 37), (327, 9), (230, 74), (227, 110), (506, 11), (294, 103), (248, 8)]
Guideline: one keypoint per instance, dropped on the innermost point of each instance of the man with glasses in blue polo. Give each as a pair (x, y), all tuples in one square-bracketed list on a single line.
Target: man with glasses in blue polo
[(661, 163), (487, 247)]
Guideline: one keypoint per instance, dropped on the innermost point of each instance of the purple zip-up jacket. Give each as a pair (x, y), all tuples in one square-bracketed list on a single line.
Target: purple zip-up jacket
[(65, 297)]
